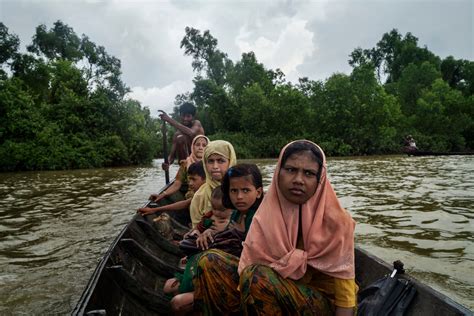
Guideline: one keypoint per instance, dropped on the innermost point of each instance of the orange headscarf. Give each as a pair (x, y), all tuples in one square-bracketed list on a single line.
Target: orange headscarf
[(192, 158), (327, 230)]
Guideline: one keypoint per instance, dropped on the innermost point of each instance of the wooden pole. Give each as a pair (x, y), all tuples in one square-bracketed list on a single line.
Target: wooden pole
[(165, 151)]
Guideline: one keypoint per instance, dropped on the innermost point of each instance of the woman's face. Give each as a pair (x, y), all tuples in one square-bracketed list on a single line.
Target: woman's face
[(298, 177), (199, 146), (243, 193), (216, 166)]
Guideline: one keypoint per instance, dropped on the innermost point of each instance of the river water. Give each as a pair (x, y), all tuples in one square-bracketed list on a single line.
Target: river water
[(55, 226)]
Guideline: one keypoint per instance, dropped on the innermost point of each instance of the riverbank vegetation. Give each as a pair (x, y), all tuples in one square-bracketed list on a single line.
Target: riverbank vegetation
[(395, 88), (63, 104)]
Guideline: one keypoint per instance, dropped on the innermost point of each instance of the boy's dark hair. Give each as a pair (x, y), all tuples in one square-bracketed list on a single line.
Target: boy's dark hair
[(300, 146), (197, 169), (187, 108), (241, 170)]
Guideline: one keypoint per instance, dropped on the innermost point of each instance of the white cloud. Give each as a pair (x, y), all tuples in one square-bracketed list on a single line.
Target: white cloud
[(160, 98), (288, 51)]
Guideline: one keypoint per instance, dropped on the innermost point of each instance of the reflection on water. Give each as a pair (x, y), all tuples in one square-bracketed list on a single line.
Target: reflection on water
[(54, 226)]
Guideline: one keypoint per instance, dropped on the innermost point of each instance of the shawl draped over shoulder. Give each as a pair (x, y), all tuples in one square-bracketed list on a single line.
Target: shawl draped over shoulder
[(193, 158), (327, 231)]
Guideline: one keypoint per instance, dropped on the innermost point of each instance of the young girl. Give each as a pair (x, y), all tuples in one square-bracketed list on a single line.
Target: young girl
[(219, 155), (243, 191)]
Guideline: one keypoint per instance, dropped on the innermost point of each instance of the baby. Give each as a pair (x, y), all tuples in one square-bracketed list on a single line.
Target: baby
[(194, 242)]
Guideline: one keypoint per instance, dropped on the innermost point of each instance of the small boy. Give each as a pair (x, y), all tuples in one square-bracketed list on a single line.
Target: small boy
[(196, 177)]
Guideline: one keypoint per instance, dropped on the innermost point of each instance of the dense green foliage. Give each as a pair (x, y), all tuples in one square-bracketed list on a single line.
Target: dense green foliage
[(62, 103), (62, 106), (395, 89)]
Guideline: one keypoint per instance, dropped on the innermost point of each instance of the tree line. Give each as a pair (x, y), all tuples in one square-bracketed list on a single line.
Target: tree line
[(395, 88), (63, 105)]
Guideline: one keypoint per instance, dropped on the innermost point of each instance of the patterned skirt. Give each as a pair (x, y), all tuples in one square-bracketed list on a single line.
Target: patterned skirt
[(262, 290)]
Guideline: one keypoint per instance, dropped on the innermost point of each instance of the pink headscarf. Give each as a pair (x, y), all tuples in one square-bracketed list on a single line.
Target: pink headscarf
[(192, 158), (327, 229)]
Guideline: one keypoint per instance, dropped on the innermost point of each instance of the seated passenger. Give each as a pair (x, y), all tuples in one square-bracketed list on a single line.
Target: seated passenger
[(216, 220), (298, 257), (243, 191), (180, 182), (219, 155), (196, 177)]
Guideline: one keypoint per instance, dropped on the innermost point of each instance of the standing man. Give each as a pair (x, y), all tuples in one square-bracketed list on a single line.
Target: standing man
[(186, 131)]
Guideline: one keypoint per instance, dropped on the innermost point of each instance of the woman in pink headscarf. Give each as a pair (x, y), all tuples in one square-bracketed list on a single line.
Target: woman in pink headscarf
[(197, 149), (298, 257)]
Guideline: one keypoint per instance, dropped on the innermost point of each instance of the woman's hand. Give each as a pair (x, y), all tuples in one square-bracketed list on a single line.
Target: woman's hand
[(203, 240), (146, 211), (193, 232)]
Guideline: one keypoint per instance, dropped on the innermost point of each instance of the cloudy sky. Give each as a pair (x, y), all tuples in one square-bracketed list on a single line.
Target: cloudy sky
[(303, 38)]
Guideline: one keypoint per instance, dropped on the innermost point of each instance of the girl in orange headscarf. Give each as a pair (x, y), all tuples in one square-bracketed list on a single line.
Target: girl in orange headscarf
[(298, 257)]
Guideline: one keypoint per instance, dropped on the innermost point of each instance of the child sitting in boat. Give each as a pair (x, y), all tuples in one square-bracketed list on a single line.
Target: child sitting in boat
[(216, 220), (219, 155), (180, 183), (196, 177), (212, 222), (243, 191)]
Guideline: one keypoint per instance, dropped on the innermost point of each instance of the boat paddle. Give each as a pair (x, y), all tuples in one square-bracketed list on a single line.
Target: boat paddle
[(165, 149)]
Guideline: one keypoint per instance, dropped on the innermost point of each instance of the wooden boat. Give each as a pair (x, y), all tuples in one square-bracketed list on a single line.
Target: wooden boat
[(439, 153), (130, 277)]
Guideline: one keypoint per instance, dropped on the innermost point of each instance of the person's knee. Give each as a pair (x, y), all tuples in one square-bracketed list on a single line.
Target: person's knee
[(171, 286), (182, 302), (182, 147), (211, 255)]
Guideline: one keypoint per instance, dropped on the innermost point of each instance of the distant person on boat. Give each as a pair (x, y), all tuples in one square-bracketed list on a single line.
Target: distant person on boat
[(187, 130), (198, 146), (219, 155), (298, 257), (196, 177), (410, 144), (243, 192)]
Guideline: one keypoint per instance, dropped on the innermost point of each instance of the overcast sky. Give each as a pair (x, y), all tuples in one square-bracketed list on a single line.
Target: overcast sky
[(303, 38)]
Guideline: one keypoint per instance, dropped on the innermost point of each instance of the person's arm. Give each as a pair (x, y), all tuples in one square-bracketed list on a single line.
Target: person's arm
[(192, 132), (342, 311), (180, 205), (345, 294), (173, 188)]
